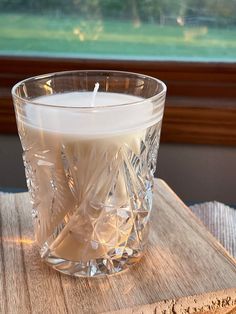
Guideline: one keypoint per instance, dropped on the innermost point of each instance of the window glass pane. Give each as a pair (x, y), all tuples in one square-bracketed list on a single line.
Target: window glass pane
[(135, 29)]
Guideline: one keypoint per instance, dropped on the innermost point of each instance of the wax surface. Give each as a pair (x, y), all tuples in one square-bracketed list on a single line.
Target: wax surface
[(84, 99), (74, 115)]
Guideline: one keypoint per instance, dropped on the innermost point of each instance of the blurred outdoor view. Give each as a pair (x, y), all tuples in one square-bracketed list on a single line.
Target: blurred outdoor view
[(130, 29)]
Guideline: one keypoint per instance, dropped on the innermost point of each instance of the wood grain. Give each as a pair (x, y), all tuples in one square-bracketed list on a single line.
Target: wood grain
[(201, 106), (185, 269), (199, 125)]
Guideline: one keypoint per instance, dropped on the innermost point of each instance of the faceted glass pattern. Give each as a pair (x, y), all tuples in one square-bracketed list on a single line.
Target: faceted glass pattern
[(103, 227), (90, 161)]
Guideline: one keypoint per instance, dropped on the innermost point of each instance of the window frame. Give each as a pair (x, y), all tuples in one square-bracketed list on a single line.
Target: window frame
[(201, 96)]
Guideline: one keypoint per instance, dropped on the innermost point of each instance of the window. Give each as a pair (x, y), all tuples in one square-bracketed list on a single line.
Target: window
[(135, 29), (188, 44)]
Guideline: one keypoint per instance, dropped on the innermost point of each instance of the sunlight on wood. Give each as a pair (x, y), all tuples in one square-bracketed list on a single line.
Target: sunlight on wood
[(18, 240)]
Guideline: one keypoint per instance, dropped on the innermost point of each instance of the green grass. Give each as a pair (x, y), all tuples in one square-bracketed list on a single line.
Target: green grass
[(50, 35)]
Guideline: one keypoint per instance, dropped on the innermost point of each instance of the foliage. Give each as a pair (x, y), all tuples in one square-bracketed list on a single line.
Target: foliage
[(72, 36), (191, 12)]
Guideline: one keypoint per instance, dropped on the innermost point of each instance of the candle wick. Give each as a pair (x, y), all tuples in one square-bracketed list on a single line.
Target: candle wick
[(95, 90)]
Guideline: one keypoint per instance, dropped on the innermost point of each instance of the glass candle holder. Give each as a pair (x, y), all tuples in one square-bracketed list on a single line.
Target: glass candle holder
[(90, 157)]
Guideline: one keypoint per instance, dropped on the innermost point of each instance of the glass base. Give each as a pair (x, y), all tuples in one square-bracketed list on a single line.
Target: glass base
[(95, 267)]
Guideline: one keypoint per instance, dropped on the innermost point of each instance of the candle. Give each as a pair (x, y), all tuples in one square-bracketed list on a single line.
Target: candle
[(89, 160)]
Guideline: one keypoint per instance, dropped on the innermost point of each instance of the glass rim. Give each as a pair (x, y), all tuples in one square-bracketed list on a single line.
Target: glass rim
[(92, 108)]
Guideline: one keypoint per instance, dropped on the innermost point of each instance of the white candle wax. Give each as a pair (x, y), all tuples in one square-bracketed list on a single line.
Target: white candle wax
[(77, 116), (70, 150)]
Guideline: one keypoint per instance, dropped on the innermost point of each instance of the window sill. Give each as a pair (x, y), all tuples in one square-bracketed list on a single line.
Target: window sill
[(200, 106)]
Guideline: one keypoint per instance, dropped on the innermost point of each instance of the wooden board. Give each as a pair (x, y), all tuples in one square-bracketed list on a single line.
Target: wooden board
[(185, 269)]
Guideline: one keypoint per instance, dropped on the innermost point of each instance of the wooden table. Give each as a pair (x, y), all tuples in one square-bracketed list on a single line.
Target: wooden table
[(185, 270)]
